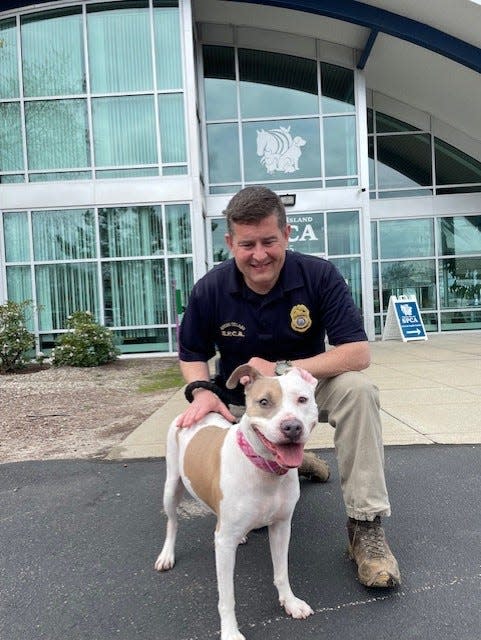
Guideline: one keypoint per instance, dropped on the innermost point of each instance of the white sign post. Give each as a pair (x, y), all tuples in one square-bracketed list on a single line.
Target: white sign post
[(403, 320)]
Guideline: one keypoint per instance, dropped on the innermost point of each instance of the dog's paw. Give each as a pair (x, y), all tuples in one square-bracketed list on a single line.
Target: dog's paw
[(165, 561), (297, 608), (236, 635)]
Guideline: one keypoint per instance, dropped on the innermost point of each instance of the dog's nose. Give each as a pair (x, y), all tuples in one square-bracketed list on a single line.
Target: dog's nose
[(292, 429)]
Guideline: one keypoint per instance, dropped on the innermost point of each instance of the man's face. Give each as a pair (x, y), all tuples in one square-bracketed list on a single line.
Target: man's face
[(259, 251)]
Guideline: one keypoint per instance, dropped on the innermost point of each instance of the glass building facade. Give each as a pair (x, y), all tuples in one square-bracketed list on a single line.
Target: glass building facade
[(124, 131)]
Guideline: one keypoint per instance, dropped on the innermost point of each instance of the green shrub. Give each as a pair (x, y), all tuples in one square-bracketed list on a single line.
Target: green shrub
[(86, 344), (15, 338)]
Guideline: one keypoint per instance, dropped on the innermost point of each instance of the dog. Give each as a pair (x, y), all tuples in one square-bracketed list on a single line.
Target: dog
[(247, 475)]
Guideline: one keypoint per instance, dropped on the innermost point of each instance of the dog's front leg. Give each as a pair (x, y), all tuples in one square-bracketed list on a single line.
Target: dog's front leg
[(279, 536), (225, 552)]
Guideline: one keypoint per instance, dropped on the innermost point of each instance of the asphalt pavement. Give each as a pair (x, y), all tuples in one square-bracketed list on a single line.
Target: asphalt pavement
[(78, 542)]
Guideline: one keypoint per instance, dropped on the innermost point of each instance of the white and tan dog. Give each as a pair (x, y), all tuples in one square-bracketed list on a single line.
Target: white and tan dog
[(247, 475)]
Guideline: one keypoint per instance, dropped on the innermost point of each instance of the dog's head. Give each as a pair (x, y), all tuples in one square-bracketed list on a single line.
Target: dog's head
[(281, 412)]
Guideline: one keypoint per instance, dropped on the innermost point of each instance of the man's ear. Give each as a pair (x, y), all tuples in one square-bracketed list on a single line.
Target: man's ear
[(228, 240)]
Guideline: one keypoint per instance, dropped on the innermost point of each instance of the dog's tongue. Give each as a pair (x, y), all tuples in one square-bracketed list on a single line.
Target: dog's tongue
[(289, 455)]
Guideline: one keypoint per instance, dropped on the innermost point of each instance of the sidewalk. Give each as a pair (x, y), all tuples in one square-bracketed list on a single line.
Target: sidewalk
[(430, 393)]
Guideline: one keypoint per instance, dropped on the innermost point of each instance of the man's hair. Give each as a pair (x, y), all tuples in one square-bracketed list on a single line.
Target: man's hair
[(253, 204)]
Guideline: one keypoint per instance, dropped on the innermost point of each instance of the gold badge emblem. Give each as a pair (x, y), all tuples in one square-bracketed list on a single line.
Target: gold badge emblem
[(300, 318)]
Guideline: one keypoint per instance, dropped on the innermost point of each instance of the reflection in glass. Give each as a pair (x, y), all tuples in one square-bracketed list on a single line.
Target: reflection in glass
[(53, 53), (350, 269), (460, 235), (9, 64), (275, 84), (453, 166), (123, 130), (142, 340), (307, 233), (134, 292), (337, 89), (220, 252), (19, 283), (461, 320), (340, 146), (279, 148), (219, 83), (11, 148), (388, 124), (179, 228), (172, 127), (223, 147), (460, 282), (181, 277), (343, 233), (57, 134), (63, 289), (16, 236), (410, 277), (404, 161), (63, 235), (119, 47), (130, 231), (168, 52), (406, 238)]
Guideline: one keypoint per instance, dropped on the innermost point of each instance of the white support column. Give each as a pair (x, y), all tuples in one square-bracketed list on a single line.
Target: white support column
[(366, 249), (193, 136)]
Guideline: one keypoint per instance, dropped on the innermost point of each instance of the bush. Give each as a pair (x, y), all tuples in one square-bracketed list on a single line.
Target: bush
[(87, 343), (15, 338)]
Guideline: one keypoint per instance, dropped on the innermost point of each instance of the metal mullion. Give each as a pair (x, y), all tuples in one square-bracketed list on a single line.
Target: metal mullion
[(23, 122), (98, 260), (36, 323), (320, 117), (154, 84), (170, 322), (239, 115), (88, 91)]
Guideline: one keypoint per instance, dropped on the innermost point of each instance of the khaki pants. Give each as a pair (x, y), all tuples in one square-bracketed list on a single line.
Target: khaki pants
[(351, 401)]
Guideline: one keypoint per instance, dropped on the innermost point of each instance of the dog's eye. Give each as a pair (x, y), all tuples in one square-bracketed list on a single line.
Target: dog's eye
[(264, 402), (302, 399)]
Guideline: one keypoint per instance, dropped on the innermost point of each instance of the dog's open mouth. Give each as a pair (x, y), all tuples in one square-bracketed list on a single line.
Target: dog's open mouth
[(286, 455)]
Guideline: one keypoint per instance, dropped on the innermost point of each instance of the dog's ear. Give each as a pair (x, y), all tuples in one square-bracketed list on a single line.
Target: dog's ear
[(244, 371)]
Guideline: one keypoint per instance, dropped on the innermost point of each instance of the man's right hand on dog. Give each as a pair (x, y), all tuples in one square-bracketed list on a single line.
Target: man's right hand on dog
[(204, 402)]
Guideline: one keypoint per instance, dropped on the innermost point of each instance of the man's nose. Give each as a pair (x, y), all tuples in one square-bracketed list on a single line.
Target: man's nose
[(259, 252)]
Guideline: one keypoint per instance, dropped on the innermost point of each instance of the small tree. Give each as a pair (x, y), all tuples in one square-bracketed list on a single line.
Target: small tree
[(86, 344), (15, 338)]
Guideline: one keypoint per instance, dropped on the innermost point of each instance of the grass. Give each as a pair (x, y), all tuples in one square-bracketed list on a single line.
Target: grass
[(167, 379)]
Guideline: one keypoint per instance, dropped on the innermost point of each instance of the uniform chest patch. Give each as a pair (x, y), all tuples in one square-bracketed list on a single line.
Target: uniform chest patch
[(233, 330), (300, 318)]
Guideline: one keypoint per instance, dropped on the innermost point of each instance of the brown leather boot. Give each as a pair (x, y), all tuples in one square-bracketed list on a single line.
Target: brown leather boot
[(376, 565), (314, 468)]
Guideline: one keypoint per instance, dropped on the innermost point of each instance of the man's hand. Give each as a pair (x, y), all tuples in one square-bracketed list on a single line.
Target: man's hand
[(204, 402), (265, 367)]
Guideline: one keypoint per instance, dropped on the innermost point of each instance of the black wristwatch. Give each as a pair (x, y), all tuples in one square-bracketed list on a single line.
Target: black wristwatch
[(282, 366)]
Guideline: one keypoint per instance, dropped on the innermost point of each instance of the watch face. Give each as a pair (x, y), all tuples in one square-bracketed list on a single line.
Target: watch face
[(281, 368)]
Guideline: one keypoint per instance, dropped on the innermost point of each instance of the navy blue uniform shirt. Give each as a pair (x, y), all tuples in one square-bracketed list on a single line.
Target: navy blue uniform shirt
[(309, 301)]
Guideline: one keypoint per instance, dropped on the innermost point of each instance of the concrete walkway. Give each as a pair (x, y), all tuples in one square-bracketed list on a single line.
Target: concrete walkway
[(430, 393)]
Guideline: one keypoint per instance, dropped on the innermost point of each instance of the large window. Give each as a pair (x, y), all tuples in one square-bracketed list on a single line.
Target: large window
[(99, 92), (127, 265), (405, 161), (438, 260), (269, 121)]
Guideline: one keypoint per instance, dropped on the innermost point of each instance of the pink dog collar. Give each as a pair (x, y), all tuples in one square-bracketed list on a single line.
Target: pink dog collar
[(255, 458)]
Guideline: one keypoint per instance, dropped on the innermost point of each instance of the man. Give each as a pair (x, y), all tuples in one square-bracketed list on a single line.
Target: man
[(273, 308)]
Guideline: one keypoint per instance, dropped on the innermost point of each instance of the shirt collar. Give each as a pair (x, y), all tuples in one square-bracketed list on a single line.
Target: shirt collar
[(290, 277)]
